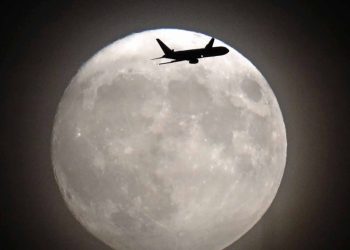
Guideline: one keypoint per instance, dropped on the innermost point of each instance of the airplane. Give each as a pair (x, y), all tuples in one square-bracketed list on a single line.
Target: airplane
[(191, 55)]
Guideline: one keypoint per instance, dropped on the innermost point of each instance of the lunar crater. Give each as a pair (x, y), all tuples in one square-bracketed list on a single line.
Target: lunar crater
[(251, 89)]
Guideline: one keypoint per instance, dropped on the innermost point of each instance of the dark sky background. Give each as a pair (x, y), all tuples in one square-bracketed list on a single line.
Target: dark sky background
[(300, 48)]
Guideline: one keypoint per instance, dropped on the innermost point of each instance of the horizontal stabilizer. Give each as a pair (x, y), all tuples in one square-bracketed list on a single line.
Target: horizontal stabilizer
[(157, 58)]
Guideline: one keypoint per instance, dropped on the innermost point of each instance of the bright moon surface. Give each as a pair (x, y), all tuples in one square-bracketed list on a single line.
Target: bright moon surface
[(178, 156)]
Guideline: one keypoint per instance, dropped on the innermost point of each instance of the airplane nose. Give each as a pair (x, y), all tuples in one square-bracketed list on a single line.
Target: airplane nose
[(223, 50)]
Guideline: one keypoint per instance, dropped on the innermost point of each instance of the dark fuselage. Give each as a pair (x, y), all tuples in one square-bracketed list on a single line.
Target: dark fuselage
[(193, 54)]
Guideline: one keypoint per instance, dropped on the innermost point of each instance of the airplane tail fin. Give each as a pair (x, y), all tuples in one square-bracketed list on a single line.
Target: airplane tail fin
[(165, 48), (210, 44)]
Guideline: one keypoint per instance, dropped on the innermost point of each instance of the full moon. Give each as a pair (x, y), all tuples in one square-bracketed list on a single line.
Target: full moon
[(177, 156)]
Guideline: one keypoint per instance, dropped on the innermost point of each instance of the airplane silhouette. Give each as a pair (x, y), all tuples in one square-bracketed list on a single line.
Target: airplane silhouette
[(191, 55)]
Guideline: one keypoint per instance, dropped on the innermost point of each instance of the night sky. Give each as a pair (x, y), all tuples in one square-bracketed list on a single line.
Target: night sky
[(300, 48)]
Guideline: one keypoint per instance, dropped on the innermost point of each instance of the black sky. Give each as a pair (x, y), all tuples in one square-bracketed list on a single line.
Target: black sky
[(300, 48)]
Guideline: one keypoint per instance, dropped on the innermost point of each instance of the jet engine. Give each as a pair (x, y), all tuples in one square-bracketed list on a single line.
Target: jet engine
[(193, 61)]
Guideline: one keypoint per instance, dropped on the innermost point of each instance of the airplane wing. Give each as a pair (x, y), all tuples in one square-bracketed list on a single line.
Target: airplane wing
[(173, 61), (210, 44)]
